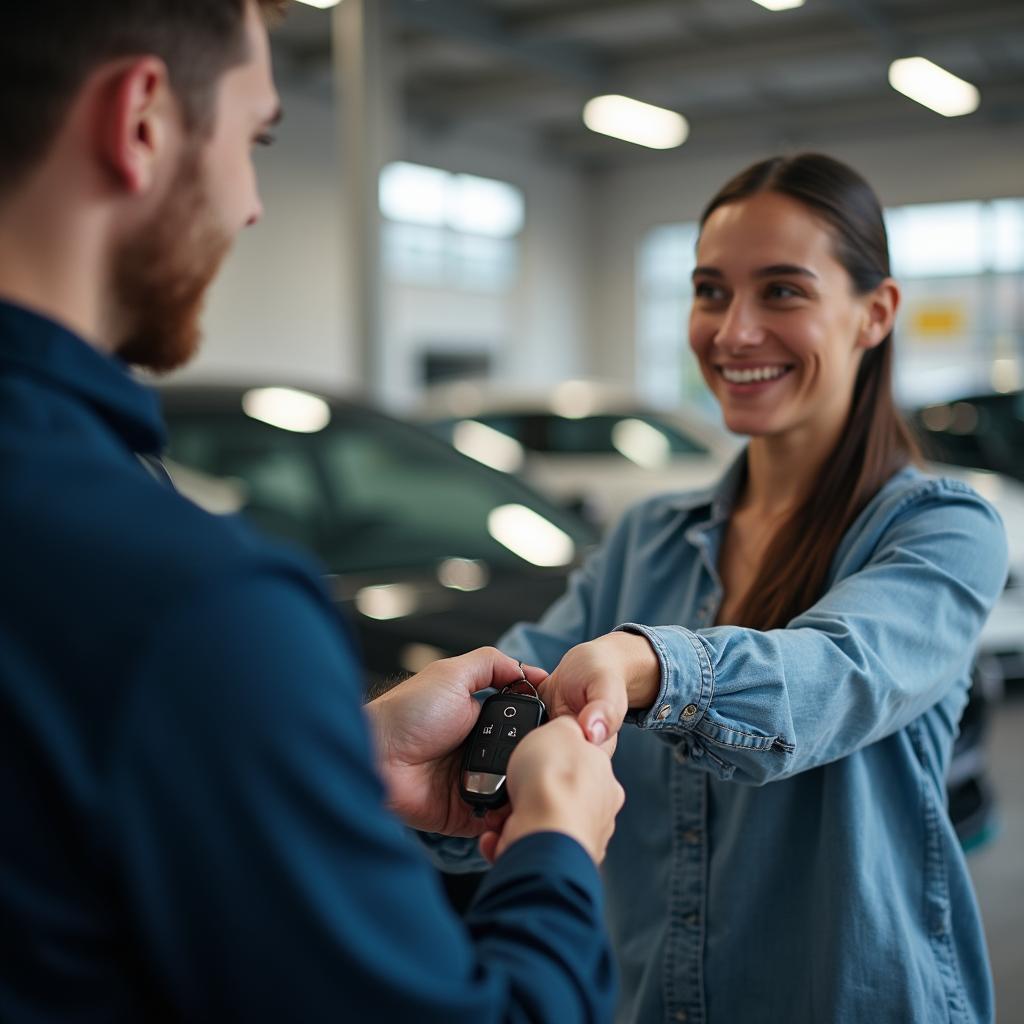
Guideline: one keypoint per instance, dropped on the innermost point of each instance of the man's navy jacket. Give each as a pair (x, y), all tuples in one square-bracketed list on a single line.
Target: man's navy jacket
[(193, 827)]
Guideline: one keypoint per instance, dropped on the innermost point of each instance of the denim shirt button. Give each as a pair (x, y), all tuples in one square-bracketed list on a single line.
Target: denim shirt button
[(691, 920), (681, 754), (688, 712), (664, 711), (681, 1016), (691, 836)]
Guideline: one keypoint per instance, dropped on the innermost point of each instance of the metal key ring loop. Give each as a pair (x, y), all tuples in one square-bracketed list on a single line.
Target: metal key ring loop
[(521, 682)]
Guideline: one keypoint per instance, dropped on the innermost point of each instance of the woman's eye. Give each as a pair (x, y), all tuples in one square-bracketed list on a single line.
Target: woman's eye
[(706, 290), (782, 291), (264, 139)]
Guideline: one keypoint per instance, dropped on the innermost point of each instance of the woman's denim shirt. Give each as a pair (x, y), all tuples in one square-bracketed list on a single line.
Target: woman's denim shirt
[(784, 853)]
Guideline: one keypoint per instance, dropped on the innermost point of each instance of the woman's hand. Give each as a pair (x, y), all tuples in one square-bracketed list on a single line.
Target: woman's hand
[(597, 682), (420, 726), (558, 782)]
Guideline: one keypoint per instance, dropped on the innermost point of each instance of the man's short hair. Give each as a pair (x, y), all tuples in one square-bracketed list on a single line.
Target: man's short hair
[(49, 47)]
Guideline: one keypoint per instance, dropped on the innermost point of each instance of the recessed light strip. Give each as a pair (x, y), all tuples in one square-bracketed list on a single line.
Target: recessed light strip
[(933, 87), (636, 122)]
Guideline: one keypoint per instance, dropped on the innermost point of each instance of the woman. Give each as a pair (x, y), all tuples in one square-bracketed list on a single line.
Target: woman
[(792, 651)]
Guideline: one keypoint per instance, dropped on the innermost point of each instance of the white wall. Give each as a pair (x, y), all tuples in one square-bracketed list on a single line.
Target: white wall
[(278, 310), (536, 332), (959, 162)]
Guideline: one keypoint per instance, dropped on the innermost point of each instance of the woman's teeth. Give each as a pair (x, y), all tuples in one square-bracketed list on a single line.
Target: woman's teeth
[(757, 373)]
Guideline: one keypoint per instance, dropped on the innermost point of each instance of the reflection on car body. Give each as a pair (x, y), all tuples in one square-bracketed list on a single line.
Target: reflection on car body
[(428, 552)]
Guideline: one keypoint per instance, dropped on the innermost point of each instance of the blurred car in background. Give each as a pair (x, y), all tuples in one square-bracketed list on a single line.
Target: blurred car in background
[(589, 446), (429, 553), (980, 440), (984, 431)]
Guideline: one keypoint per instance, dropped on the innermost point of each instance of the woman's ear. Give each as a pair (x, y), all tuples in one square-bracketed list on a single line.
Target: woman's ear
[(880, 308)]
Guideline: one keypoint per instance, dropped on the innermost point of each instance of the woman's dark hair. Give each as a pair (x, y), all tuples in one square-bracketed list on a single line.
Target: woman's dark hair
[(48, 48), (875, 441)]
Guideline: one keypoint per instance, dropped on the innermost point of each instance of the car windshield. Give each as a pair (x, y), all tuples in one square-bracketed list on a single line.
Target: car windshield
[(368, 492)]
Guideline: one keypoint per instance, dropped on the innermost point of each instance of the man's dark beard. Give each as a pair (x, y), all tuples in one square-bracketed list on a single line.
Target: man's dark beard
[(161, 276)]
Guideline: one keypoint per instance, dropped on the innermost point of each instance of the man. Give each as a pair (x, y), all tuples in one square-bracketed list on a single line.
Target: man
[(194, 826)]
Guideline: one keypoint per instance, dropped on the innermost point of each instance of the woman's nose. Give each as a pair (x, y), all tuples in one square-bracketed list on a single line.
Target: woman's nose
[(740, 327)]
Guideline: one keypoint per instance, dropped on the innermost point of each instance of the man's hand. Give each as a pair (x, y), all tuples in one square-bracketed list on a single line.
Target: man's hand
[(597, 682), (420, 726)]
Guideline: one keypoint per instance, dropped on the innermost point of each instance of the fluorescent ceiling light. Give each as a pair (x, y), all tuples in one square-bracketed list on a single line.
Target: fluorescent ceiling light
[(780, 5), (530, 536), (933, 87), (288, 409), (633, 121), (322, 4)]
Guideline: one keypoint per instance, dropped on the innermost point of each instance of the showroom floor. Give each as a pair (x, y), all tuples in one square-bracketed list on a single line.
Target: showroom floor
[(998, 870)]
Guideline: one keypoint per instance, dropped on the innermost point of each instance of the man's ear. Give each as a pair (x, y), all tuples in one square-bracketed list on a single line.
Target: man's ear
[(880, 308), (139, 123)]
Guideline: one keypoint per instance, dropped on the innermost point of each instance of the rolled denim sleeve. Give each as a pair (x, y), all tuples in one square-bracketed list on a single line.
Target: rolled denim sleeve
[(894, 634)]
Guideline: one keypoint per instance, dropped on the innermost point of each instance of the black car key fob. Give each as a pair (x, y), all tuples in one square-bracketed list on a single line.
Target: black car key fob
[(505, 718)]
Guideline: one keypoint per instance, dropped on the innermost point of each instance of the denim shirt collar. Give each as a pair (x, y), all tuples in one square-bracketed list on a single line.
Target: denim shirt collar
[(36, 345), (711, 507)]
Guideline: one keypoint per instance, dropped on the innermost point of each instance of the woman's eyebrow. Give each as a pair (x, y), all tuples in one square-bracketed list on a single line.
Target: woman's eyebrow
[(784, 269), (772, 271)]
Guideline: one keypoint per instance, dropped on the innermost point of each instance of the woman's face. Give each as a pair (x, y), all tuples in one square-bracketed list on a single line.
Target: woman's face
[(776, 325)]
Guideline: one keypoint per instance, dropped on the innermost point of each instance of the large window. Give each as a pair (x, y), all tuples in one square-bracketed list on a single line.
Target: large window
[(448, 230), (961, 325)]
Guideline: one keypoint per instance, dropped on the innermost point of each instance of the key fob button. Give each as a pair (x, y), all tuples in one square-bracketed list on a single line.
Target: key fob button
[(505, 718), (482, 757), (502, 756)]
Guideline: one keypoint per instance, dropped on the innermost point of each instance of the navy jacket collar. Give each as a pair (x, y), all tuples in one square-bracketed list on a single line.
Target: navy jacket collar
[(38, 346)]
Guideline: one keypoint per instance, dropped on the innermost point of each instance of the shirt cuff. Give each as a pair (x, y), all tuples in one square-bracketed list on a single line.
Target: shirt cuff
[(687, 680)]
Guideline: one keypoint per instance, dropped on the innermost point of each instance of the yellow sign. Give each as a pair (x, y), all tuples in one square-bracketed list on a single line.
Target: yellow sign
[(939, 321)]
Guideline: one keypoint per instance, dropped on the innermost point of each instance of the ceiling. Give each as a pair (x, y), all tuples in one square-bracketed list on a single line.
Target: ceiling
[(741, 75)]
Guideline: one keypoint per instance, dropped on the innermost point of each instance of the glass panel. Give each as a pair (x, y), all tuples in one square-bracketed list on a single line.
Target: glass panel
[(413, 194), (481, 206), (936, 239), (415, 254), (1007, 235), (600, 435), (477, 263), (366, 493)]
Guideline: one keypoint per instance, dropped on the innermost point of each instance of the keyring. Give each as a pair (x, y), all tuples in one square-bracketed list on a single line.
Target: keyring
[(519, 682)]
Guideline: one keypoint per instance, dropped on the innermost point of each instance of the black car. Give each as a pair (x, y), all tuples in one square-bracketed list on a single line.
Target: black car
[(429, 553), (980, 431)]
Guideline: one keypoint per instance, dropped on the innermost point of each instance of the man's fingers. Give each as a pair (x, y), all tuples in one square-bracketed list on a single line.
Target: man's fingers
[(489, 667), (494, 820), (489, 846)]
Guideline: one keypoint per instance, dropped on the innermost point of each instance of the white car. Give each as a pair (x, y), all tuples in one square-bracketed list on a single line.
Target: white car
[(601, 450), (586, 445)]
